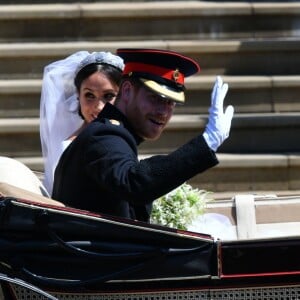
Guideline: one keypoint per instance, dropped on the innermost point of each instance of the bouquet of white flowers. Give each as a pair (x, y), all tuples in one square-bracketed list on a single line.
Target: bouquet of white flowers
[(179, 208)]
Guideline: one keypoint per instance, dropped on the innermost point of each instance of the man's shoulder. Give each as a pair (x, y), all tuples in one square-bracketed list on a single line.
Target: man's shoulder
[(105, 129), (113, 122), (104, 123), (108, 126)]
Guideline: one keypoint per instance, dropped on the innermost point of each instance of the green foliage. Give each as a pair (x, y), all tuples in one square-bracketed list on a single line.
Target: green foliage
[(179, 208)]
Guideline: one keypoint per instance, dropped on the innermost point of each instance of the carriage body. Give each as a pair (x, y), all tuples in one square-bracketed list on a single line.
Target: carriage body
[(48, 250)]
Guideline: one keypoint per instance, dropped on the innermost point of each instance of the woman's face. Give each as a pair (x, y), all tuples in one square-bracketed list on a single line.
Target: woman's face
[(94, 92)]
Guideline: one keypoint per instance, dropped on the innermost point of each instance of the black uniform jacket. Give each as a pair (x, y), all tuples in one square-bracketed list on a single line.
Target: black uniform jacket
[(100, 170)]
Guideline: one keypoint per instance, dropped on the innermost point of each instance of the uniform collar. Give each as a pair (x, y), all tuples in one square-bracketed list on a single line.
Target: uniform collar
[(112, 112)]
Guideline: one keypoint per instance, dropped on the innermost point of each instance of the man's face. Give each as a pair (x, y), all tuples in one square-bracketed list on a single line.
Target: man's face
[(148, 112)]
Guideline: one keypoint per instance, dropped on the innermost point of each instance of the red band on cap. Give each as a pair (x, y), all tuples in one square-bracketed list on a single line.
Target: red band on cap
[(172, 75)]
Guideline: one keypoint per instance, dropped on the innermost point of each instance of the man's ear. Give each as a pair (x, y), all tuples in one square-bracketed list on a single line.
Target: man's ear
[(127, 89)]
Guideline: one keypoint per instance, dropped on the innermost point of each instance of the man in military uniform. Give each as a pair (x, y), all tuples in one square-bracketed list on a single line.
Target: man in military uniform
[(100, 170)]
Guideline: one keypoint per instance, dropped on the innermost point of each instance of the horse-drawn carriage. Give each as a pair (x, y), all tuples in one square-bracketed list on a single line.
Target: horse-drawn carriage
[(49, 251)]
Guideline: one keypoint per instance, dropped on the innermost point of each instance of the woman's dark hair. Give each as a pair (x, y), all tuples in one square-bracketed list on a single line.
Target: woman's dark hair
[(114, 74)]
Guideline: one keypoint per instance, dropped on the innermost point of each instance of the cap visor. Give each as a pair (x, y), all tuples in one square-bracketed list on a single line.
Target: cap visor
[(164, 91)]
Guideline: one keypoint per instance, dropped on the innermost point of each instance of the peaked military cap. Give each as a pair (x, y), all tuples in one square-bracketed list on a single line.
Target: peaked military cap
[(162, 71)]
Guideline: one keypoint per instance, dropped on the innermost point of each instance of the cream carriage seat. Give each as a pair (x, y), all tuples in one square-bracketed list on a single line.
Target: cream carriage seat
[(17, 180), (260, 216), (16, 173)]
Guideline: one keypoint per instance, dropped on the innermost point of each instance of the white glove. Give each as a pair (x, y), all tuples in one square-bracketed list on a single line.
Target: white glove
[(219, 123)]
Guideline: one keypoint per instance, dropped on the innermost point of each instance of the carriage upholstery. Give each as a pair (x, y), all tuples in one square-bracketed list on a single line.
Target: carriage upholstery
[(260, 216), (9, 190)]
